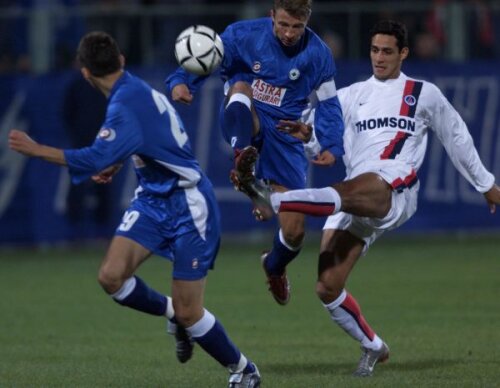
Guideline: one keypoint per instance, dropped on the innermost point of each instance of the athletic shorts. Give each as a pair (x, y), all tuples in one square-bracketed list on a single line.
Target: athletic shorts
[(403, 203), (183, 227), (282, 158)]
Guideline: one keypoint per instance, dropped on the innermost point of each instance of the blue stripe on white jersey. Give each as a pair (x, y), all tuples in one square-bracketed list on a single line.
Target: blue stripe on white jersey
[(140, 122)]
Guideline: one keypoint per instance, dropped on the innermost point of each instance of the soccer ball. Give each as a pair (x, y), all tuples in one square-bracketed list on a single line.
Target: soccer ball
[(199, 50)]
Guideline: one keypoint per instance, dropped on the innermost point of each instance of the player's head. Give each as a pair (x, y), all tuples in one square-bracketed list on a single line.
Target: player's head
[(99, 54), (388, 48), (290, 19)]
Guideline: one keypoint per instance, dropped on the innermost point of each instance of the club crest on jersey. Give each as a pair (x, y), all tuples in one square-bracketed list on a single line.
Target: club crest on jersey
[(256, 67), (410, 100), (107, 134), (294, 74)]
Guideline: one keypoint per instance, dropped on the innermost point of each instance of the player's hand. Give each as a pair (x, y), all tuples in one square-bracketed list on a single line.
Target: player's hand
[(301, 131), (493, 198), (20, 141), (326, 158), (106, 175), (181, 93)]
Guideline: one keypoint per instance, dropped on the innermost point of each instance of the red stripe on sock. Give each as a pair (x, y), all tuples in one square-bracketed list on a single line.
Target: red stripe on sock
[(309, 208), (353, 308)]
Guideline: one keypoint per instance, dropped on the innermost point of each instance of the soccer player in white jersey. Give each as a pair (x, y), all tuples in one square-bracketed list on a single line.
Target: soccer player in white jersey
[(271, 67), (387, 118), (174, 213)]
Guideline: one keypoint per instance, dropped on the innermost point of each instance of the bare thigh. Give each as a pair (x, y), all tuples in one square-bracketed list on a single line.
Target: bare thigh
[(367, 195)]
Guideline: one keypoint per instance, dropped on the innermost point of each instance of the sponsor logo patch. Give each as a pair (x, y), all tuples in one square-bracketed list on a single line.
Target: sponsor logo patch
[(256, 67), (267, 93), (194, 263)]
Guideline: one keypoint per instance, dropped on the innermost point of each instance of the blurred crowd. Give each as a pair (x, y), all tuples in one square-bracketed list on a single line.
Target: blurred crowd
[(42, 35)]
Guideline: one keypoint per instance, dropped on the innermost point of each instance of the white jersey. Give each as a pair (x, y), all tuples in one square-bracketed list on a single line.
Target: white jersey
[(386, 124)]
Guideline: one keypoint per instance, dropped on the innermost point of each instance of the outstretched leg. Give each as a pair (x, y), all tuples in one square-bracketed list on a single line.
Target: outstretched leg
[(366, 195)]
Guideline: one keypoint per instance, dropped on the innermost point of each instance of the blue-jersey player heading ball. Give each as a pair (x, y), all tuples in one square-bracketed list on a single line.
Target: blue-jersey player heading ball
[(173, 214), (272, 68)]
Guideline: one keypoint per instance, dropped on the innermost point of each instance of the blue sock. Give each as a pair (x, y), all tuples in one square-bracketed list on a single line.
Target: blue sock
[(137, 295), (280, 255), (212, 337), (237, 122)]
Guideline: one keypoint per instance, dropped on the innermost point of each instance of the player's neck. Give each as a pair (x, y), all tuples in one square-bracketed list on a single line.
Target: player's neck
[(105, 84)]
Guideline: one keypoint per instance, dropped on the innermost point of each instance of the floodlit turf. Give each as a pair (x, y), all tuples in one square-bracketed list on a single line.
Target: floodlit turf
[(436, 302)]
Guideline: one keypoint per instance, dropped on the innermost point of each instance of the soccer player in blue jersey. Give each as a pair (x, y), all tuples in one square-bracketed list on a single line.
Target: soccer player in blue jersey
[(174, 213), (272, 67)]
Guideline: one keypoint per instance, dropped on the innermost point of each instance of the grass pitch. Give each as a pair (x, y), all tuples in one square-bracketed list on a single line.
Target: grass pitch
[(436, 302)]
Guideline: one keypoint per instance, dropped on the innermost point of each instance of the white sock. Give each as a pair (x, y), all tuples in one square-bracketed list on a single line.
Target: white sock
[(316, 202), (346, 313)]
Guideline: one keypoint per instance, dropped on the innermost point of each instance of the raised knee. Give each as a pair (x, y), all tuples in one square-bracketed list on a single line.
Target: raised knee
[(109, 281), (294, 238), (241, 87)]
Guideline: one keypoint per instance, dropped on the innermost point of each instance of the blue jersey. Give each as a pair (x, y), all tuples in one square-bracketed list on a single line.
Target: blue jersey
[(174, 213), (283, 79), (140, 123)]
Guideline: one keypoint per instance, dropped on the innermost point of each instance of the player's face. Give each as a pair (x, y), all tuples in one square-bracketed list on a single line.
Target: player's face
[(287, 28), (386, 56)]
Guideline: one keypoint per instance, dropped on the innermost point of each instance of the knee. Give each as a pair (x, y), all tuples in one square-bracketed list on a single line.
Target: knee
[(328, 292), (109, 280), (330, 284), (241, 87), (187, 315), (293, 236)]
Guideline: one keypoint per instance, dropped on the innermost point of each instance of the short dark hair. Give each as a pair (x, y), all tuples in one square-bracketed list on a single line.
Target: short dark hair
[(393, 28), (300, 9), (99, 53)]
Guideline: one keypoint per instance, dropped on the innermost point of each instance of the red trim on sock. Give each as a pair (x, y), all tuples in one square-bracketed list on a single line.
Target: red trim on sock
[(317, 209), (352, 307)]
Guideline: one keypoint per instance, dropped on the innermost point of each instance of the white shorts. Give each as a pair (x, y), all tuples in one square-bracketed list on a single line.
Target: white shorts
[(403, 205)]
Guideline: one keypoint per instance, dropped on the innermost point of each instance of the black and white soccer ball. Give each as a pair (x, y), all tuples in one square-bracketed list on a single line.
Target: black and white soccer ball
[(199, 50)]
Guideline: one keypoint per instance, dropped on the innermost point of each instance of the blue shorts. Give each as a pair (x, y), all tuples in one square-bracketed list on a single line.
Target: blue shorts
[(282, 158), (183, 227)]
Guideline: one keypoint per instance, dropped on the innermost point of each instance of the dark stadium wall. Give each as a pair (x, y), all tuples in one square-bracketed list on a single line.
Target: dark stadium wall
[(33, 194)]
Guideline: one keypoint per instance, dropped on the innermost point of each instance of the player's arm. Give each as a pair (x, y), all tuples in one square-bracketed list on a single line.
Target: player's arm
[(457, 140), (116, 141), (106, 175), (328, 123), (20, 141), (181, 85)]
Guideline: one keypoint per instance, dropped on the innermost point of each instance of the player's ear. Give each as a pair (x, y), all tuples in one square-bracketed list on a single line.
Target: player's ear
[(271, 13), (122, 60), (404, 53), (85, 73)]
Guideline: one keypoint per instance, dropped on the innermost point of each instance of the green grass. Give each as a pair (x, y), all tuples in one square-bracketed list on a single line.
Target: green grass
[(435, 301)]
